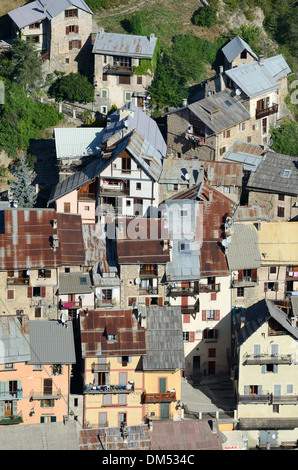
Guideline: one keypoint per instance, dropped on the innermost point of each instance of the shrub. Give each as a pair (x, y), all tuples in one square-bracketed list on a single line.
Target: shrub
[(205, 16), (72, 87)]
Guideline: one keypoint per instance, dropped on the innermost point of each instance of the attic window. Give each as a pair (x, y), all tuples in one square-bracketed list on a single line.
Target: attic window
[(243, 54), (286, 173)]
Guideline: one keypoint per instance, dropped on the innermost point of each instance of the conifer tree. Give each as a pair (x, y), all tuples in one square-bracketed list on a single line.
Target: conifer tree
[(22, 190)]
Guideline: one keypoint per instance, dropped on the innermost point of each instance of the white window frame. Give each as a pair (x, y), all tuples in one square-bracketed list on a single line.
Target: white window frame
[(126, 99)]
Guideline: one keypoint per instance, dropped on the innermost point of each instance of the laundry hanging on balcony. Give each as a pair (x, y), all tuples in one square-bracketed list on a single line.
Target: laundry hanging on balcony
[(189, 135)]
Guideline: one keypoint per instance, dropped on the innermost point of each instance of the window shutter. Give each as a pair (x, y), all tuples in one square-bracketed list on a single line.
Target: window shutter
[(30, 291), (275, 368), (80, 44), (263, 368), (204, 315), (43, 291), (186, 318), (67, 29), (217, 315), (246, 389), (42, 419), (160, 301), (191, 336), (77, 29), (254, 274), (70, 45), (147, 302)]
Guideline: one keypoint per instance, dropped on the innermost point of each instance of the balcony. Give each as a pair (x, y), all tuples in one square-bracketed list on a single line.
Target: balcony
[(43, 395), (9, 394), (13, 419), (95, 367), (245, 281), (209, 288), (251, 399), (167, 397), (183, 291), (18, 281), (112, 389), (114, 190), (284, 399), (118, 70), (261, 113), (86, 197), (70, 305), (148, 290), (267, 359)]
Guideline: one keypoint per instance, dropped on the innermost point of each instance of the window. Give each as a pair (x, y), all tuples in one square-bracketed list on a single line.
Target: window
[(131, 301), (104, 93), (10, 294), (34, 26), (242, 126), (271, 286), (37, 367), (281, 197), (122, 399), (47, 403), (211, 352), (44, 273), (210, 314), (183, 246), (240, 291), (107, 296), (222, 151), (66, 207), (127, 95), (264, 126), (186, 318), (87, 208), (226, 134), (128, 203), (36, 291), (72, 29), (107, 399), (103, 109), (286, 173), (249, 139), (112, 337), (71, 13), (280, 211), (183, 213), (126, 165), (272, 270), (275, 408), (139, 79), (289, 388), (76, 44), (8, 366), (186, 336), (243, 54), (67, 60), (124, 361), (138, 186)]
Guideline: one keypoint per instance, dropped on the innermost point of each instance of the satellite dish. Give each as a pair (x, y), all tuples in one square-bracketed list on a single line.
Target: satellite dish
[(137, 281), (238, 92), (224, 243), (126, 123), (64, 317), (187, 176)]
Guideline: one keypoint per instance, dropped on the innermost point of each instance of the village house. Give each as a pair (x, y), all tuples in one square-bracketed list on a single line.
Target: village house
[(274, 184), (123, 69), (266, 384), (205, 300), (36, 244), (34, 386), (61, 31), (126, 380)]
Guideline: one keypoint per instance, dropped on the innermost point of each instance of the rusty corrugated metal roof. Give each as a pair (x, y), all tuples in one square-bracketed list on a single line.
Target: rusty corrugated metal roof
[(128, 45), (223, 173), (26, 239), (97, 325)]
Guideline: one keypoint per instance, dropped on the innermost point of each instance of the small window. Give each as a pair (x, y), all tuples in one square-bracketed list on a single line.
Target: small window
[(139, 79), (71, 13), (83, 280), (240, 291), (66, 207), (222, 151), (272, 270), (184, 246), (37, 313), (286, 173), (281, 197), (275, 408), (138, 186), (103, 109), (128, 203), (127, 96), (210, 314), (34, 26), (36, 291), (183, 213), (280, 211), (104, 93), (186, 336), (67, 60), (243, 54), (87, 208), (10, 294)]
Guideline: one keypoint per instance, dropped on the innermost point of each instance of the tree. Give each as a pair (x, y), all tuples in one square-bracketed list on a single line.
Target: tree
[(205, 16), (23, 191), (24, 67), (285, 138), (72, 87)]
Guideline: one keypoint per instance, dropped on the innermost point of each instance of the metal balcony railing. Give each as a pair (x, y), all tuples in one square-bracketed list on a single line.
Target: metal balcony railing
[(118, 70), (209, 287), (44, 395), (98, 389), (251, 359), (96, 367)]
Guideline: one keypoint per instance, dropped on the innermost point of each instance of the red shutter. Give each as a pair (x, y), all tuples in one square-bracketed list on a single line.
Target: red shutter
[(185, 284), (160, 301), (80, 44), (213, 296), (186, 318), (30, 291), (191, 336), (43, 291), (77, 29), (254, 274), (147, 301), (67, 29), (70, 45), (217, 315), (10, 294), (240, 275), (204, 315), (184, 301)]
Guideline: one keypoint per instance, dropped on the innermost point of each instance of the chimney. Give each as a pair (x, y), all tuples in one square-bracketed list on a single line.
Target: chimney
[(261, 60), (222, 85), (152, 37)]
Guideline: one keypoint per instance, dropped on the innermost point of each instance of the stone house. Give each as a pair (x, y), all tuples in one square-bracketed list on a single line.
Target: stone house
[(274, 184), (61, 31), (35, 245), (266, 378), (118, 74), (34, 386)]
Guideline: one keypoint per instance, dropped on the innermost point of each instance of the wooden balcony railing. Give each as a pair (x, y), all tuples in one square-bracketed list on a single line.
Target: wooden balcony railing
[(183, 291), (86, 197), (98, 389), (117, 70), (260, 113), (18, 281), (166, 397), (209, 287)]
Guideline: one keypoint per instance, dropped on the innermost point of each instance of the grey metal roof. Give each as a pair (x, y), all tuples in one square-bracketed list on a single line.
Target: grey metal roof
[(42, 9), (77, 142), (124, 44), (250, 155), (144, 124), (174, 170), (277, 67), (243, 249), (260, 313), (294, 304), (270, 177), (75, 283), (14, 339), (220, 111), (235, 47), (253, 79), (51, 342), (164, 339)]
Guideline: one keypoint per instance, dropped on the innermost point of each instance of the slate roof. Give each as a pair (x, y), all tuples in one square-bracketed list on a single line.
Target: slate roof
[(269, 176), (128, 45), (164, 339), (243, 251), (75, 283), (51, 342), (219, 111), (144, 124), (41, 9), (260, 313), (235, 47)]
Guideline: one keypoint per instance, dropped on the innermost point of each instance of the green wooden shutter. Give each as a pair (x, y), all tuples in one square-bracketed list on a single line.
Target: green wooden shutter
[(162, 385)]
